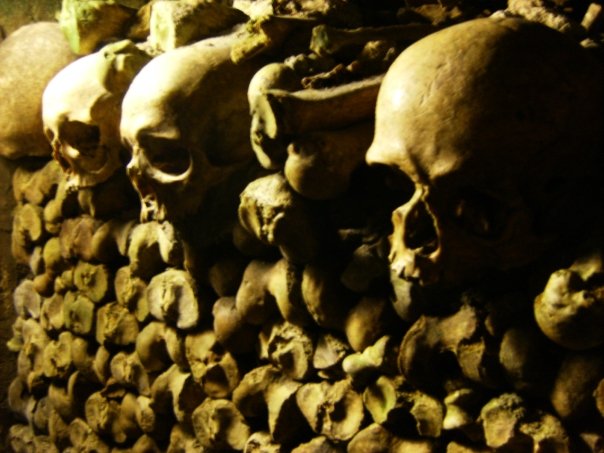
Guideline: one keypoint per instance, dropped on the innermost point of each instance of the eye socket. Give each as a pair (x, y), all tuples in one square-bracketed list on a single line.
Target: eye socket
[(396, 184), (83, 137), (480, 214), (167, 156)]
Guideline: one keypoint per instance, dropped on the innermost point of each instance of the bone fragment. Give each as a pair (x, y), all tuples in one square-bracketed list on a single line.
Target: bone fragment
[(54, 263), (145, 444), (36, 186), (282, 113), (540, 11), (320, 164), (83, 356), (83, 438), (21, 438), (501, 418), (51, 313), (28, 230), (115, 325), (429, 337), (368, 320), (87, 25), (64, 282), (230, 329), (218, 424), (379, 358), (68, 398), (570, 311), (127, 370), (62, 206), (20, 400), (79, 313), (330, 351), (40, 415), (326, 299), (110, 241), (26, 300), (131, 292), (249, 245), (593, 18), (374, 437), (261, 442), (285, 421), (285, 285), (44, 284), (525, 358), (546, 431), (76, 237), (328, 40), (461, 406), (30, 361), (183, 439), (213, 368), (151, 347), (334, 410), (249, 395), (92, 281), (270, 152), (177, 23), (57, 360), (172, 298), (290, 348), (253, 302), (15, 344), (58, 429), (389, 398), (267, 33), (571, 394), (113, 417), (278, 216), (152, 247)]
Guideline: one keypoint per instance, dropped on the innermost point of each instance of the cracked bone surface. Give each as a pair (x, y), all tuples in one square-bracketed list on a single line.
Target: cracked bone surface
[(81, 112), (185, 118), (471, 153)]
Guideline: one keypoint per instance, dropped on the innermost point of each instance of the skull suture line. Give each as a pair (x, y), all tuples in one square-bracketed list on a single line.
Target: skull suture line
[(186, 119), (498, 124), (81, 112)]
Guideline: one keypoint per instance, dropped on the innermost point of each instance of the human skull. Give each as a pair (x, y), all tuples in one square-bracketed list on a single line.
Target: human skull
[(498, 125), (81, 112), (186, 119)]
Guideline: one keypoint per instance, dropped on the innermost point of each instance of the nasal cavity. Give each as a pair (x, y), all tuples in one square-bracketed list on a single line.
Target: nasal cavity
[(420, 231)]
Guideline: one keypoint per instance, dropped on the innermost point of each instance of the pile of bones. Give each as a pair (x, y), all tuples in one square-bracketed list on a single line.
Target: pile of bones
[(274, 226)]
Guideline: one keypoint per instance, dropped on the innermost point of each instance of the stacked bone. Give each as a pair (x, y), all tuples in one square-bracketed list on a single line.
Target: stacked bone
[(283, 331)]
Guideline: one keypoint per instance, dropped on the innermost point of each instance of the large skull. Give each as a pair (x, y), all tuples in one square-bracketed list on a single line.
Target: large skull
[(498, 124), (81, 112), (186, 119)]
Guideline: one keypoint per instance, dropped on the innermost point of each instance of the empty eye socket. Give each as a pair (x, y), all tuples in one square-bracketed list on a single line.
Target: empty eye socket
[(480, 213), (395, 183), (83, 137), (167, 156)]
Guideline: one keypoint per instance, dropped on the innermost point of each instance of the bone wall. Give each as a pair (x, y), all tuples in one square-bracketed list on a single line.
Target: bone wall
[(251, 307), (8, 277), (12, 16)]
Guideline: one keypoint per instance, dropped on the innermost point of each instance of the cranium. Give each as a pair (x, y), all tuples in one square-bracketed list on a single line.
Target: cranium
[(186, 119), (81, 112), (498, 124)]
